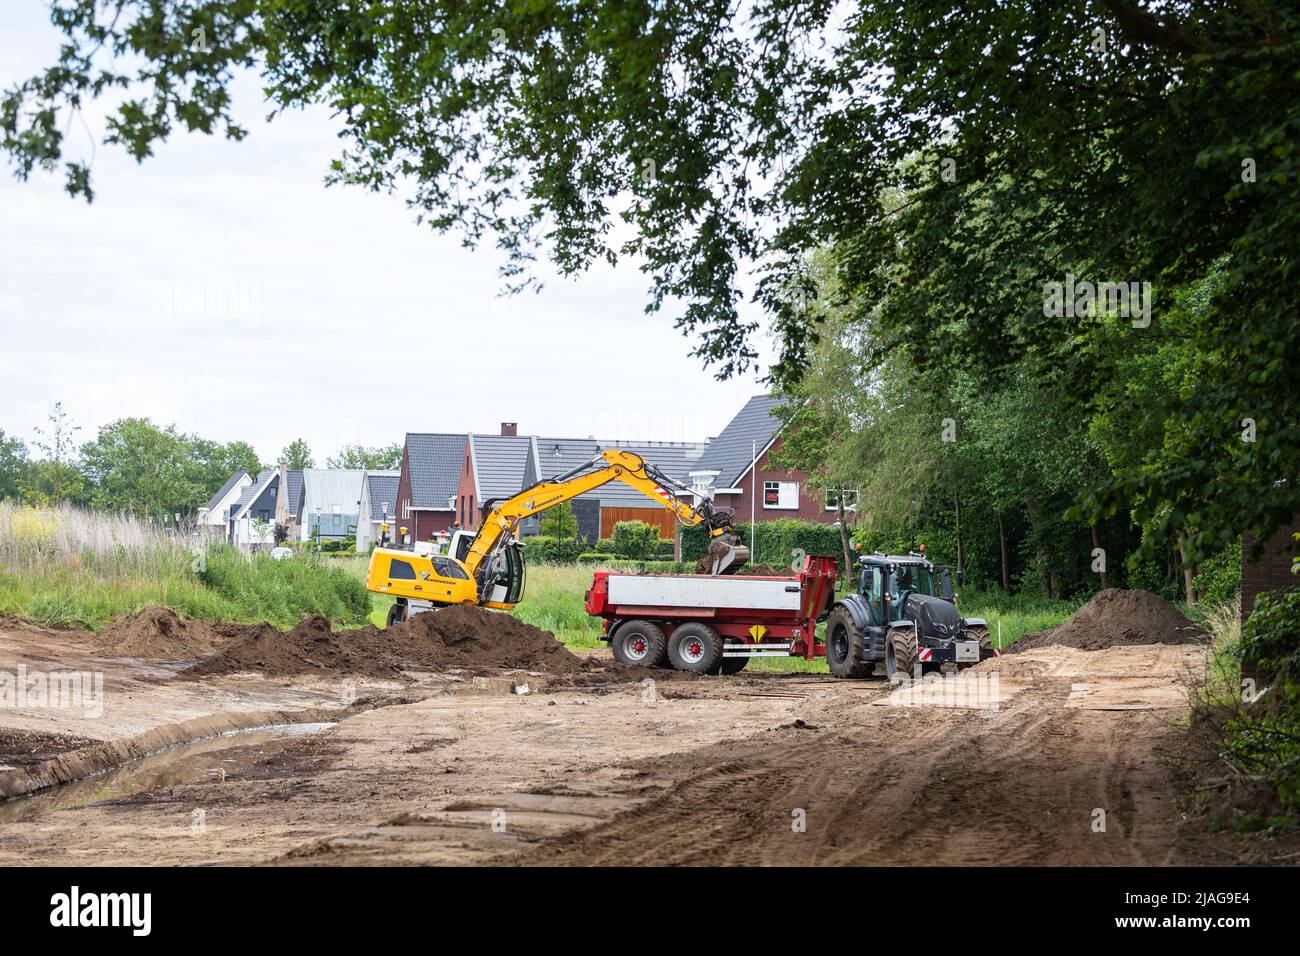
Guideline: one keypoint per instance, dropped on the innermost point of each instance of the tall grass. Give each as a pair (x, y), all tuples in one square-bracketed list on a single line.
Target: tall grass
[(68, 566)]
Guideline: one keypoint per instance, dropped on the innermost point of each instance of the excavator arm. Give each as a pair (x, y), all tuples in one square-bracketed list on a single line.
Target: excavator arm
[(502, 520)]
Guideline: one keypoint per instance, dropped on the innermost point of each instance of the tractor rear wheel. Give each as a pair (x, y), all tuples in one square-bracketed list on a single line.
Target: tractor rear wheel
[(846, 645), (695, 648), (901, 654), (639, 644)]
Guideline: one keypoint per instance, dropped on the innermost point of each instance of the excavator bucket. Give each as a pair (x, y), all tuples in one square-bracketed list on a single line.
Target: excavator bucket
[(723, 558)]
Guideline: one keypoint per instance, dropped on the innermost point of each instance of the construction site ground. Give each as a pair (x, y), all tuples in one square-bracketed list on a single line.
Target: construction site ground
[(1068, 756)]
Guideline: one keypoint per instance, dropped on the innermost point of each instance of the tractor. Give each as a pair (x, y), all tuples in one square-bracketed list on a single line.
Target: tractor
[(904, 613)]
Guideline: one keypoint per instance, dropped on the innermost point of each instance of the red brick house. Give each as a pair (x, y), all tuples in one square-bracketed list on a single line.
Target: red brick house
[(737, 467)]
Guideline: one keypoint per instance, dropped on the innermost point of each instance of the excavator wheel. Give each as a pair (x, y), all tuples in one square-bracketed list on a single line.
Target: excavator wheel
[(695, 648), (396, 615), (639, 644)]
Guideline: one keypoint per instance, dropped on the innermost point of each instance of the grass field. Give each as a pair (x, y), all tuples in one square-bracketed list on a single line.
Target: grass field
[(79, 568)]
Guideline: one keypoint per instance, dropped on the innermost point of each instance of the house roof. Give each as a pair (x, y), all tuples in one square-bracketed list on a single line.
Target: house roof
[(554, 456), (330, 490), (434, 460), (673, 458), (296, 493), (499, 464), (253, 492), (381, 488), (233, 480), (732, 452)]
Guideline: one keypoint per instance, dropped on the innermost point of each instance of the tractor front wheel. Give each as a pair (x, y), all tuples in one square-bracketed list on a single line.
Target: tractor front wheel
[(901, 654)]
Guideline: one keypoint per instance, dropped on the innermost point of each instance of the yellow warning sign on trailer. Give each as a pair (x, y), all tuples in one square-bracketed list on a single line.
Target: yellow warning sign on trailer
[(757, 632)]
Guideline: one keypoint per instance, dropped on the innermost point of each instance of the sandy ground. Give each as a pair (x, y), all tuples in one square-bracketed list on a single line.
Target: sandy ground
[(1026, 768)]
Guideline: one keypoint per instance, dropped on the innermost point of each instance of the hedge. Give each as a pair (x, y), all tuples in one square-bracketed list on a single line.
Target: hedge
[(775, 542)]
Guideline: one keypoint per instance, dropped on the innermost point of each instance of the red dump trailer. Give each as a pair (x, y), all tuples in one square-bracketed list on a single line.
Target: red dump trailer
[(711, 625)]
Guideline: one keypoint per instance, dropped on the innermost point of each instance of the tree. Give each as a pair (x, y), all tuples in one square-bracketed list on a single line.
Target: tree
[(387, 458), (13, 465), (297, 455), (55, 479), (133, 465), (559, 522), (713, 143)]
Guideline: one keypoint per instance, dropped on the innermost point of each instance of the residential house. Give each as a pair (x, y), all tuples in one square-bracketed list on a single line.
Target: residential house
[(428, 483), (214, 517), (275, 495), (737, 470), (330, 503), (494, 469), (598, 510), (378, 506)]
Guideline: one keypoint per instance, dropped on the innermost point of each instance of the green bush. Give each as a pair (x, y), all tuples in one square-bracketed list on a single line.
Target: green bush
[(635, 540), (1219, 578), (775, 541), (544, 549), (261, 588), (664, 550), (1263, 740)]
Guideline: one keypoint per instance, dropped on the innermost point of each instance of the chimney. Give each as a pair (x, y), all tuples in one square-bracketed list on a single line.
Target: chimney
[(510, 429)]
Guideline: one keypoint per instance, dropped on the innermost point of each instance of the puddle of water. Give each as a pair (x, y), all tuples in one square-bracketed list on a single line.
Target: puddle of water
[(199, 760)]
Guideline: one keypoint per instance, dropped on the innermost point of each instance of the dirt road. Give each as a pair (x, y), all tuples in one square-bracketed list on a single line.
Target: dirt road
[(756, 769)]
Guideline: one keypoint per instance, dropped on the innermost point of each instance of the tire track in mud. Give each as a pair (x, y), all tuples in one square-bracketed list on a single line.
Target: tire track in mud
[(912, 786)]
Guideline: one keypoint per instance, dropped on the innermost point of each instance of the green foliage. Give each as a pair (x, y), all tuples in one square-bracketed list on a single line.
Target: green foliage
[(635, 540), (387, 458), (282, 591), (296, 455), (559, 523), (1271, 636), (1219, 579), (775, 542), (13, 465), (544, 549)]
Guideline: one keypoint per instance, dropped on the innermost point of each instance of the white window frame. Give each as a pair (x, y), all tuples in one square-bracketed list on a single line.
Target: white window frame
[(830, 505), (791, 503)]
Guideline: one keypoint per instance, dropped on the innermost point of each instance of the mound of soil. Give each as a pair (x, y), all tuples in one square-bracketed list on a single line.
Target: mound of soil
[(460, 638), (1116, 617), (159, 633), (766, 571)]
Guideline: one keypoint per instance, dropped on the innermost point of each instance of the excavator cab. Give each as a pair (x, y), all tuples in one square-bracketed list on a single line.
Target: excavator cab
[(504, 576)]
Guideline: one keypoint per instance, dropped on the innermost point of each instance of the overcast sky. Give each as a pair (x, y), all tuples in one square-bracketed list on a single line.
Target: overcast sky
[(221, 287)]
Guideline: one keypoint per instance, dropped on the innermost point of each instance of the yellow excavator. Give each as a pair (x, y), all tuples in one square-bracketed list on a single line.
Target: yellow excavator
[(486, 568)]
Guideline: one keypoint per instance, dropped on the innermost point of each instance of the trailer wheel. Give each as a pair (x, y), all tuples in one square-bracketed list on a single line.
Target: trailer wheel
[(846, 645), (695, 648), (732, 665), (901, 654), (639, 644), (396, 615)]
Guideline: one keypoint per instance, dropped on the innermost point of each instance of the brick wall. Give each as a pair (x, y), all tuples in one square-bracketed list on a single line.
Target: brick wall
[(1273, 571), (812, 504)]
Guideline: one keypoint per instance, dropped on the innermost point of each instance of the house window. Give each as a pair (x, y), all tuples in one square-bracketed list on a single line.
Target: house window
[(850, 499), (781, 494)]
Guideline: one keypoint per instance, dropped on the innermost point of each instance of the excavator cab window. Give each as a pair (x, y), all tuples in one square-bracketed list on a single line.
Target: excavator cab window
[(506, 575)]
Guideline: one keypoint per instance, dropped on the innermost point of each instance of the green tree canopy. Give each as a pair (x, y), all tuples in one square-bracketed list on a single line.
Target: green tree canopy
[(296, 455), (13, 465), (387, 458), (1102, 139)]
